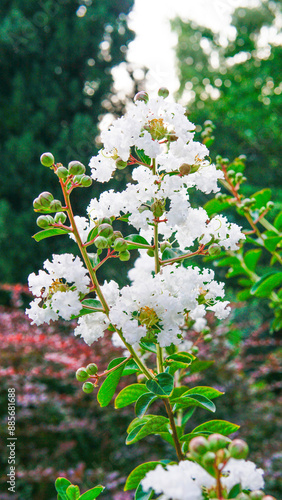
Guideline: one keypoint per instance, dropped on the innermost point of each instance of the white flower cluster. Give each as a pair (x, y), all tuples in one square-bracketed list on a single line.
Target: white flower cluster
[(160, 308), (148, 126), (186, 480), (58, 290)]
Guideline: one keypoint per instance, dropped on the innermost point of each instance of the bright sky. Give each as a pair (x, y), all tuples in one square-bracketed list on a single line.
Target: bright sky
[(154, 42)]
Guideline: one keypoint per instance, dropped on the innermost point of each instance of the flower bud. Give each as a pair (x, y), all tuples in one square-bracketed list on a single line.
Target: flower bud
[(60, 217), (163, 92), (238, 449), (158, 208), (88, 387), (124, 256), (105, 220), (242, 496), (230, 173), (77, 178), (198, 446), (45, 199), (62, 172), (217, 442), (208, 458), (194, 349), (214, 249), (223, 455), (268, 497), (208, 338), (194, 168), (81, 374), (86, 181), (76, 168), (55, 205), (43, 221), (269, 205), (101, 242), (185, 169), (105, 230), (151, 253), (47, 159), (141, 96), (92, 369), (120, 245), (238, 176), (120, 164), (256, 495)]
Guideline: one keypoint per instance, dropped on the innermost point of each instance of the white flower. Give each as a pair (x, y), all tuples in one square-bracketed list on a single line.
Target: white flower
[(243, 472), (66, 304), (39, 314), (70, 268), (91, 326), (83, 226), (102, 166)]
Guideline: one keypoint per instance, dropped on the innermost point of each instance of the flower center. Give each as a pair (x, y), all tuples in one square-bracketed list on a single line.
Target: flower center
[(157, 128), (148, 317)]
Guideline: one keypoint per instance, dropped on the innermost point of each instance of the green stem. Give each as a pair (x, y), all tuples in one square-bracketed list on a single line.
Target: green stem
[(265, 223), (135, 356), (160, 365), (177, 444)]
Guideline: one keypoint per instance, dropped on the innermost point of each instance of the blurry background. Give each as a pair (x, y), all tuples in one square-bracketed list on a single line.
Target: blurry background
[(67, 68)]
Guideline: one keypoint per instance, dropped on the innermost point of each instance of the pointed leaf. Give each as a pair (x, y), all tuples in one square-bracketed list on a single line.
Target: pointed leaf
[(108, 388), (194, 400), (129, 395), (143, 495), (144, 158), (47, 233), (162, 385), (143, 403), (61, 485), (217, 426), (183, 357), (199, 365), (209, 392), (73, 492), (266, 284), (93, 493), (216, 206), (155, 425), (149, 346), (138, 421), (135, 238), (138, 474), (251, 258), (261, 197)]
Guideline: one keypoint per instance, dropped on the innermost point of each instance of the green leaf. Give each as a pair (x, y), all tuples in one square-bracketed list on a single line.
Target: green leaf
[(130, 368), (215, 206), (135, 238), (272, 242), (199, 366), (194, 400), (144, 158), (171, 253), (47, 233), (138, 421), (209, 392), (278, 222), (93, 493), (115, 362), (143, 495), (154, 425), (138, 474), (92, 233), (73, 492), (129, 395), (162, 385), (261, 197), (143, 403), (183, 357), (243, 294), (84, 310), (149, 346), (267, 283), (234, 492), (217, 426), (109, 386), (251, 258), (61, 485)]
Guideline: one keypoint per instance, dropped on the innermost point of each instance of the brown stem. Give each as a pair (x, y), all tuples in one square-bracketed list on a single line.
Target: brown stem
[(177, 445)]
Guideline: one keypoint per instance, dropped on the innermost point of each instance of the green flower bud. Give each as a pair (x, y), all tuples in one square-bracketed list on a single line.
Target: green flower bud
[(185, 169), (101, 242), (218, 158), (242, 496), (230, 173), (208, 123), (92, 369), (256, 495), (194, 168), (60, 217), (76, 168), (105, 230), (36, 204), (86, 181), (214, 249), (248, 202), (198, 446), (77, 178), (141, 96), (223, 454), (208, 338), (242, 157), (116, 234), (88, 387), (225, 160), (47, 159), (208, 458), (151, 253), (268, 497), (62, 172), (120, 245), (238, 177), (217, 442), (55, 205), (238, 449), (269, 205), (81, 374), (158, 208), (124, 256), (45, 199), (163, 92), (120, 164), (106, 220), (43, 221), (194, 349)]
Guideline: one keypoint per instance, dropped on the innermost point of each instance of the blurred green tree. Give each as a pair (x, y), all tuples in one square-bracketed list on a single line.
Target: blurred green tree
[(236, 83), (56, 60)]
